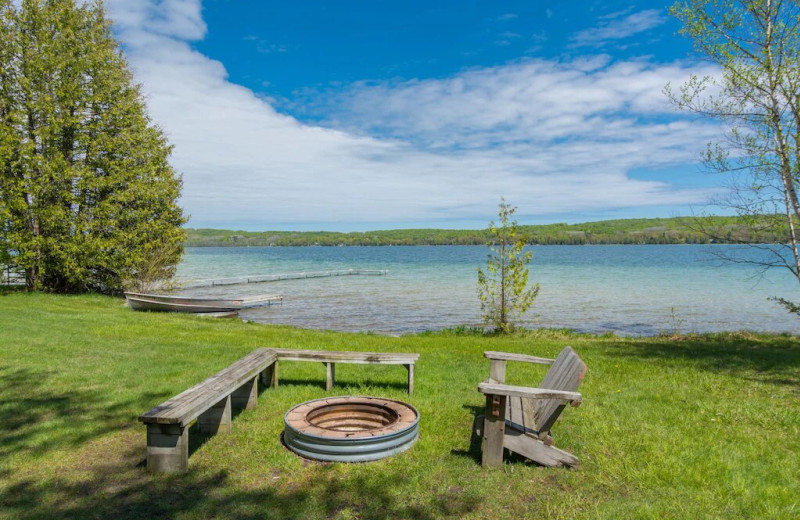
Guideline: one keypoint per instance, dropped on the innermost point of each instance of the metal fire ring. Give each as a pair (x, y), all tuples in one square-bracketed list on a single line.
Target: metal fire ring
[(350, 429)]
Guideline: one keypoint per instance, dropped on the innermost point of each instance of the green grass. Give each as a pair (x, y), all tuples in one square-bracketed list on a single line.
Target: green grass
[(671, 427)]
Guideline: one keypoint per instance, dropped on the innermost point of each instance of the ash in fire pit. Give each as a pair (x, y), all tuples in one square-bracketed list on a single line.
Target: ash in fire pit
[(350, 429)]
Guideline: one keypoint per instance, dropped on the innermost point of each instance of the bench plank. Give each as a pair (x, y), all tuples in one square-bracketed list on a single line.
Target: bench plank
[(188, 405), (330, 356)]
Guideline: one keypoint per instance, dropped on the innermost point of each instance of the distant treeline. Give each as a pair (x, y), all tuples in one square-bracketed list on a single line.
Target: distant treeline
[(678, 230)]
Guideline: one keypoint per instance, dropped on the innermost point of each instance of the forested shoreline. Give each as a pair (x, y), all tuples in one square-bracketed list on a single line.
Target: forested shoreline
[(676, 230)]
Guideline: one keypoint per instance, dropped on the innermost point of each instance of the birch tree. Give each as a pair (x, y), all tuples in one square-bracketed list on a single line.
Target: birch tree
[(755, 44)]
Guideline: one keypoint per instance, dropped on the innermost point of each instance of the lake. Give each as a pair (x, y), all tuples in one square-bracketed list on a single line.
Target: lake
[(631, 290)]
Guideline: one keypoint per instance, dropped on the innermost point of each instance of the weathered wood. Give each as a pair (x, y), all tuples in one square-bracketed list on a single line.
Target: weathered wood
[(216, 419), (246, 396), (497, 371), (187, 406), (528, 392), (494, 430), (506, 356), (529, 413), (534, 449), (410, 368), (331, 357), (267, 375), (566, 374), (209, 402), (330, 376), (514, 412), (167, 448)]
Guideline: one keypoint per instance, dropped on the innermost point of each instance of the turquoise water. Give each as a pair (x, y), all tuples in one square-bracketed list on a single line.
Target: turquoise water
[(635, 290)]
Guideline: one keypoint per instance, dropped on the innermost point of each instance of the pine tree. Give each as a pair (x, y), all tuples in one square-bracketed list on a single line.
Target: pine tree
[(87, 194), (503, 289)]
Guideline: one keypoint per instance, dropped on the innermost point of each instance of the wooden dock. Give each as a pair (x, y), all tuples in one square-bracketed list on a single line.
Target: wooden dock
[(262, 278)]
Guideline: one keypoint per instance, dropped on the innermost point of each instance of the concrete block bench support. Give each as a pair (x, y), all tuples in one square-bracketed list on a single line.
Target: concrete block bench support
[(331, 357), (210, 403), (216, 419), (167, 448)]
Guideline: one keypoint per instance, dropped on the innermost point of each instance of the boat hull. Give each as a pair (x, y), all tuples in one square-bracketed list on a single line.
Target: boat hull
[(156, 302)]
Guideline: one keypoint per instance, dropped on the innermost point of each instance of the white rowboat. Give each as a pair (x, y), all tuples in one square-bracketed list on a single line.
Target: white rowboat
[(159, 302)]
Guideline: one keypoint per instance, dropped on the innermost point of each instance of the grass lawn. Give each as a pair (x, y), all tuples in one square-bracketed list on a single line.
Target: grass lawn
[(670, 427)]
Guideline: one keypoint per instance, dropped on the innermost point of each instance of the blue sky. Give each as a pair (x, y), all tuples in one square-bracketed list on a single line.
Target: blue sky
[(362, 115)]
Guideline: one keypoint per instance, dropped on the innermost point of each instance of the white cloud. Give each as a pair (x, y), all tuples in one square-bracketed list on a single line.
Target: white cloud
[(180, 19), (552, 137), (532, 107), (618, 26)]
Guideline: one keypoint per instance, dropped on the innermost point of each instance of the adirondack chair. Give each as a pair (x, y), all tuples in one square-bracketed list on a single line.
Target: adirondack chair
[(519, 418)]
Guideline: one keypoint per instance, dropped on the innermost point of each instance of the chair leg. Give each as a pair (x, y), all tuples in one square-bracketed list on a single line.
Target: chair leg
[(494, 430)]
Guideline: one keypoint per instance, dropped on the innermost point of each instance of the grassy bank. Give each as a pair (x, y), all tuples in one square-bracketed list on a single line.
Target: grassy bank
[(698, 427)]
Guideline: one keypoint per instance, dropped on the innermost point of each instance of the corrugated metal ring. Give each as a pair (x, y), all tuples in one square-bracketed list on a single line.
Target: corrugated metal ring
[(350, 429)]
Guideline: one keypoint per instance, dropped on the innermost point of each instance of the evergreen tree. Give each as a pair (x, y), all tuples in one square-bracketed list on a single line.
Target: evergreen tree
[(86, 191), (503, 289)]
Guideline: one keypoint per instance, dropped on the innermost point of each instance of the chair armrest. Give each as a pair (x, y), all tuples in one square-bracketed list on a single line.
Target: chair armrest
[(491, 388), (506, 356)]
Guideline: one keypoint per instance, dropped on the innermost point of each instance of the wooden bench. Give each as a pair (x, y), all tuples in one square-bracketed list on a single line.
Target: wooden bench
[(519, 418), (210, 402), (331, 357)]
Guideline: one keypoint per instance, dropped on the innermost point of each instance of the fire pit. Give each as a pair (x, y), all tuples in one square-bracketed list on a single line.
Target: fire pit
[(350, 429)]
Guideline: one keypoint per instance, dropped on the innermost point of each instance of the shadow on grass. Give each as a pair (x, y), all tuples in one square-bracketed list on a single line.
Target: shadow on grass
[(12, 289), (105, 476), (768, 359), (124, 492), (36, 418), (474, 450)]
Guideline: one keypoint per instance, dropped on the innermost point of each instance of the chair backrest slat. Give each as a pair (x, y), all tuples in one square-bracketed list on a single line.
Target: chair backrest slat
[(566, 373)]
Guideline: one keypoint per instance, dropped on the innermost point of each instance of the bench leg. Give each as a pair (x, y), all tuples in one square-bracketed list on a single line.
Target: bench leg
[(217, 418), (493, 430), (167, 448), (410, 368), (330, 374), (246, 396), (269, 377)]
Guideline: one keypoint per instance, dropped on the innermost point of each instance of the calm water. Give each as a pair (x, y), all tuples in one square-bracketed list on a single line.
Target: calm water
[(638, 290)]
